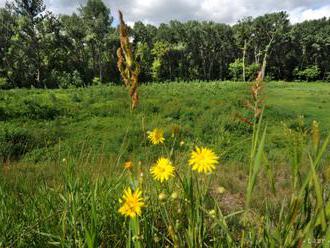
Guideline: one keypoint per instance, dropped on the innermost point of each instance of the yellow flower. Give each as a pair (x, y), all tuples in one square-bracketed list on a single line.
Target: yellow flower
[(162, 170), (203, 160), (132, 203), (156, 136), (128, 165)]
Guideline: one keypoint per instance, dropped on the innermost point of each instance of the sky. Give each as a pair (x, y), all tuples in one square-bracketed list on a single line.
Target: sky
[(224, 11)]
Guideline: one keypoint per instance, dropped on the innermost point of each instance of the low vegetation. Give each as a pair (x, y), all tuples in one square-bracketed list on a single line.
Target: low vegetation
[(69, 156)]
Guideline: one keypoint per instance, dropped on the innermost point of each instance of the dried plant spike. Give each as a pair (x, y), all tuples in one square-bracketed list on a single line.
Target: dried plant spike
[(129, 69), (315, 135), (255, 105)]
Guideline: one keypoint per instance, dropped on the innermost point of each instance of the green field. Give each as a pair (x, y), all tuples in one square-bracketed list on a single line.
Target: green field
[(97, 120), (63, 153)]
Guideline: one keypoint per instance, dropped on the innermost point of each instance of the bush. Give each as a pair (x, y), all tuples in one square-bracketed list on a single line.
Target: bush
[(96, 81), (251, 72), (236, 71), (311, 73), (66, 80), (327, 77), (3, 83), (155, 69), (15, 142), (4, 113), (39, 111)]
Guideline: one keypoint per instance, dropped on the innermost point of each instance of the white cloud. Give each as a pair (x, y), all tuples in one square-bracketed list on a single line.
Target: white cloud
[(301, 14), (228, 11)]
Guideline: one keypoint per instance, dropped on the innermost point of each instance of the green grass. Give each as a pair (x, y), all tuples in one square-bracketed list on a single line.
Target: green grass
[(97, 119), (46, 201)]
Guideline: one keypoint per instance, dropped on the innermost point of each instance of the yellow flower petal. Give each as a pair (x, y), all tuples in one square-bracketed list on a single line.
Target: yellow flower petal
[(156, 136), (162, 170), (203, 160), (132, 203)]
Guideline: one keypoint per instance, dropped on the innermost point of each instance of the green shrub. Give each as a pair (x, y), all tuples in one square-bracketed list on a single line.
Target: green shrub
[(310, 73), (15, 142), (3, 83), (327, 77), (67, 80), (155, 69), (251, 72), (236, 71), (4, 113), (96, 81), (38, 111)]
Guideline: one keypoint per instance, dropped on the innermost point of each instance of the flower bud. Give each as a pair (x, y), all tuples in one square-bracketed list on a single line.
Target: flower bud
[(221, 190), (212, 213), (162, 196), (174, 195)]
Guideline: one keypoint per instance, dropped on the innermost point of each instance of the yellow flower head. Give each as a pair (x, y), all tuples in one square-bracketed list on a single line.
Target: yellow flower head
[(162, 170), (128, 165), (203, 160), (132, 203), (156, 136)]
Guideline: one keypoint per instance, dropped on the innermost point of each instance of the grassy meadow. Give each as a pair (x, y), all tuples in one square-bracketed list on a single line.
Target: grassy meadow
[(63, 154)]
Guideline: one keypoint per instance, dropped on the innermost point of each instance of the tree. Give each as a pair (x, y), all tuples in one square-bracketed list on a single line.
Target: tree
[(144, 33), (159, 51), (26, 43), (40, 49), (7, 30), (97, 20), (244, 34), (145, 59), (268, 29), (312, 39)]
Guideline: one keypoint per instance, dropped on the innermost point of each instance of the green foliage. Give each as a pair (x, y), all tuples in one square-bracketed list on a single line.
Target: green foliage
[(39, 111), (66, 80), (36, 44), (3, 83), (236, 71), (144, 58), (15, 142), (156, 69), (310, 73), (96, 81), (252, 71), (327, 77), (93, 117), (160, 50)]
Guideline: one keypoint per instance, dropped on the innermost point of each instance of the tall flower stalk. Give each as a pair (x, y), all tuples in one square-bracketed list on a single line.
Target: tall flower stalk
[(127, 65)]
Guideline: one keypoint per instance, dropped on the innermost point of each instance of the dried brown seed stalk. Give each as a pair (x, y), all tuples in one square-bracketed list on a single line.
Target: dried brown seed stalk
[(255, 105), (128, 67)]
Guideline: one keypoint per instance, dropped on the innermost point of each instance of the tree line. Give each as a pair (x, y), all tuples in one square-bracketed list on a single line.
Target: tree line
[(43, 50)]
